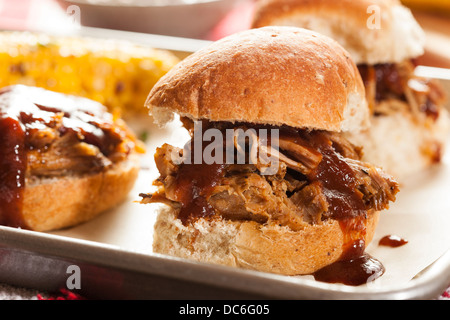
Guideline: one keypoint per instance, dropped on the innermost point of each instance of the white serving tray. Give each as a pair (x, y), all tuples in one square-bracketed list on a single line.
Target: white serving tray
[(114, 251)]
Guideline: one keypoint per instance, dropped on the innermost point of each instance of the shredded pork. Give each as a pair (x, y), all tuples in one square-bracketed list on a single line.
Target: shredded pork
[(319, 177), (394, 87)]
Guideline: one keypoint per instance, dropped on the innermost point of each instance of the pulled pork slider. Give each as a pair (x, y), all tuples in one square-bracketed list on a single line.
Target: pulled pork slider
[(64, 159), (316, 205), (409, 125)]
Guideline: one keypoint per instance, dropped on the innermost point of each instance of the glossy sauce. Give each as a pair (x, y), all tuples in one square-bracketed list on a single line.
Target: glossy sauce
[(390, 83), (13, 163), (387, 78), (23, 112), (337, 180), (353, 272), (195, 183), (354, 267), (392, 241), (339, 186)]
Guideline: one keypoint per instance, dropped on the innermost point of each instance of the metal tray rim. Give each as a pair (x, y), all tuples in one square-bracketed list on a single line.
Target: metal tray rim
[(428, 285)]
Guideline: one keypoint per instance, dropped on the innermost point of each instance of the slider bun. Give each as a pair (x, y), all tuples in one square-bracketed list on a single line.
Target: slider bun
[(400, 145), (272, 75), (56, 203), (248, 244), (399, 37)]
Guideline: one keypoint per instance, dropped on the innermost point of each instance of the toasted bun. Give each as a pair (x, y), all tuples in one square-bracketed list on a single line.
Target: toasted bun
[(373, 31), (274, 75), (402, 146), (248, 244), (56, 203)]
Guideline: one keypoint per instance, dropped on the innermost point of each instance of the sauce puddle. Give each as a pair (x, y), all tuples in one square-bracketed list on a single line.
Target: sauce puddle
[(392, 241), (355, 267)]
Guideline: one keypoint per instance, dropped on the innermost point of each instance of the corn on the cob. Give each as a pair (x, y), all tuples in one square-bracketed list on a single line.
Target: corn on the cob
[(118, 74), (442, 6)]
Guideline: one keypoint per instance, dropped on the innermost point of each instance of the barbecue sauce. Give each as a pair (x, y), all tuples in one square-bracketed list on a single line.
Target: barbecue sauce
[(13, 164), (360, 269), (354, 267), (392, 241), (339, 186), (334, 175), (26, 110), (195, 183), (390, 83), (387, 78)]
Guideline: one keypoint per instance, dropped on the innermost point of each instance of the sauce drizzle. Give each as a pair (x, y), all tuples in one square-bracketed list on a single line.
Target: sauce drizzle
[(24, 111), (195, 183), (13, 163), (355, 267), (354, 272)]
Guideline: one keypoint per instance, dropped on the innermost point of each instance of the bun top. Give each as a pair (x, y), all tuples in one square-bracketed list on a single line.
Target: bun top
[(272, 75), (373, 31)]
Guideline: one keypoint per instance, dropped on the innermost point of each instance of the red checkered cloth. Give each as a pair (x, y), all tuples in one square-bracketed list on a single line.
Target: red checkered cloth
[(68, 295), (445, 295), (63, 294)]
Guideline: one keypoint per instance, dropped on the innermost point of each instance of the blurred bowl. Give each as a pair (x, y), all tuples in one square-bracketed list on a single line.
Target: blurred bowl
[(181, 18)]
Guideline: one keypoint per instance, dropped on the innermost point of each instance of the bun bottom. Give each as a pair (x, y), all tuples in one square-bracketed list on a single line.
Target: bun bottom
[(400, 145), (250, 245), (57, 203)]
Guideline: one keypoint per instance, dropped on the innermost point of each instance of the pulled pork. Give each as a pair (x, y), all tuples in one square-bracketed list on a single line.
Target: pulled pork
[(319, 176), (397, 84), (64, 134)]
